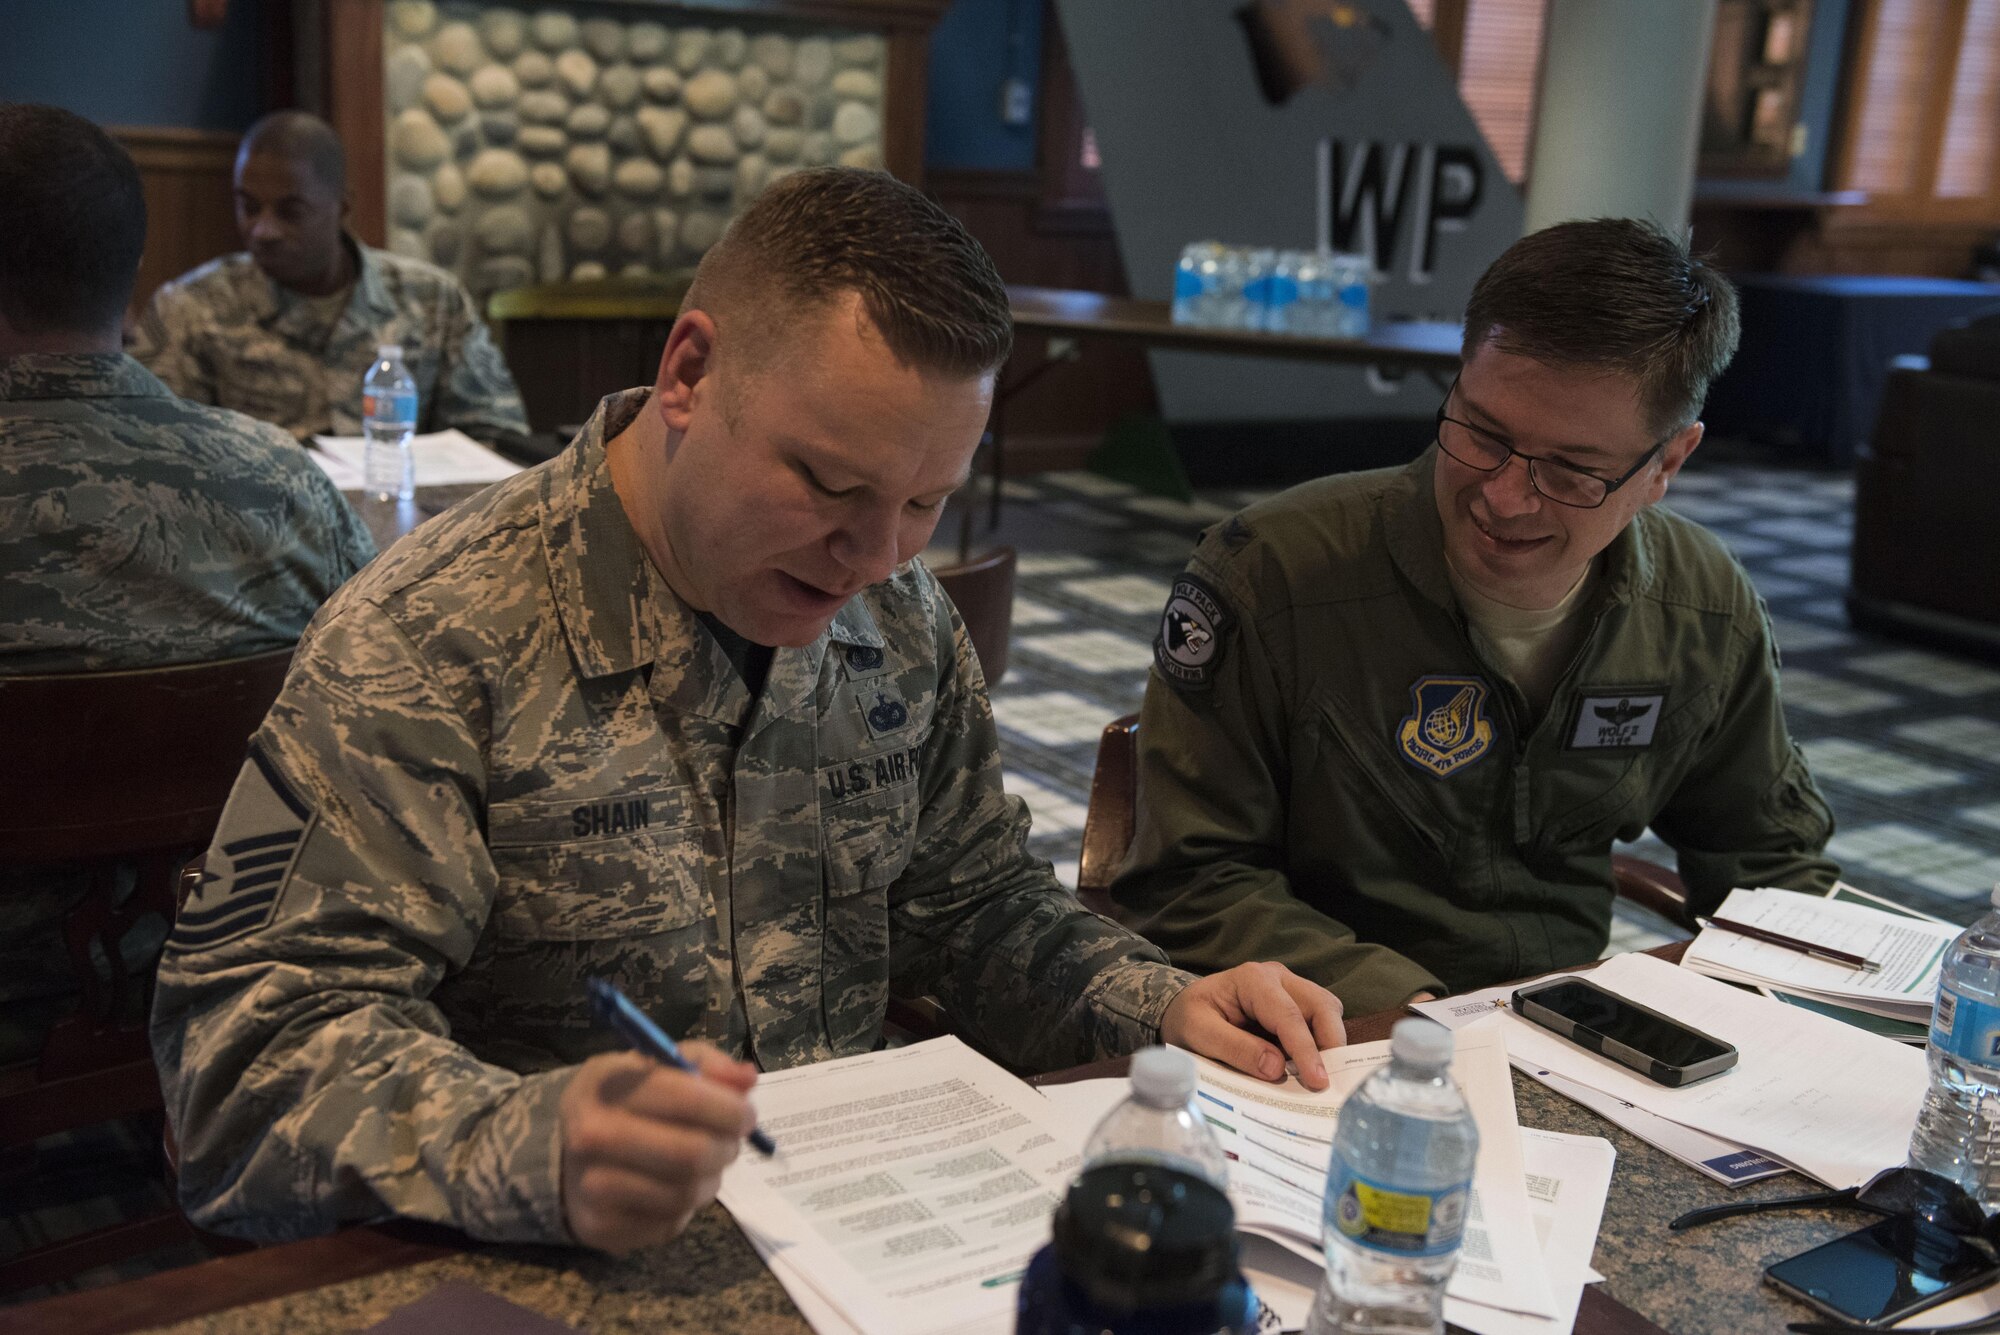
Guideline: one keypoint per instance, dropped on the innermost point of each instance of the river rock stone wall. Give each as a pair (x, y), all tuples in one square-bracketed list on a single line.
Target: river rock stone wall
[(530, 146)]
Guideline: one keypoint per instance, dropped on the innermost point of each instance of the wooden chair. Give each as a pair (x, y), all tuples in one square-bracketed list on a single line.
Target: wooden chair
[(1114, 793), (983, 591), (111, 775)]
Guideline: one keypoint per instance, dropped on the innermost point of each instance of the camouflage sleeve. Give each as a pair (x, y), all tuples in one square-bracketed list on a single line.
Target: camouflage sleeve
[(475, 390), (1748, 813), (309, 1079), (331, 527), (1022, 969), (165, 343)]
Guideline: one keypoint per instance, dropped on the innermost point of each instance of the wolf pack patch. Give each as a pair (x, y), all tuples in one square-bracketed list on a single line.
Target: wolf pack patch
[(1193, 631)]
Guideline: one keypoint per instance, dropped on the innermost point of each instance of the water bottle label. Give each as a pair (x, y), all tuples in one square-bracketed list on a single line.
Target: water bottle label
[(392, 405), (1402, 1221), (1188, 283), (1966, 1028)]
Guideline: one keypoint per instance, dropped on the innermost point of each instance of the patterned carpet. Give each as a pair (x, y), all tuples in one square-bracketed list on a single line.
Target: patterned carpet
[(1905, 741)]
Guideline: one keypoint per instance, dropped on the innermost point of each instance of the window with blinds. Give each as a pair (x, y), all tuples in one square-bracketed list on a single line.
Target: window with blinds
[(1499, 56), (1915, 136), (1971, 149)]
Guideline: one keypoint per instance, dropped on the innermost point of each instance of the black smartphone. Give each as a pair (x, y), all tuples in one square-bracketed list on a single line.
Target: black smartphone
[(1656, 1046), (1887, 1271)]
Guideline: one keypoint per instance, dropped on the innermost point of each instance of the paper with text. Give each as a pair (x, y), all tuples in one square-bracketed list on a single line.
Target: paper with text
[(1728, 1163), (1910, 950), (912, 1185)]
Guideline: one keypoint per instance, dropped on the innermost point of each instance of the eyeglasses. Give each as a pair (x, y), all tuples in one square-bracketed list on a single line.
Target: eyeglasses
[(1563, 483), (1930, 1204)]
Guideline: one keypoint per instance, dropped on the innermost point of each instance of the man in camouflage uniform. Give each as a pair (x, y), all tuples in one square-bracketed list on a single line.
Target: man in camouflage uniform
[(136, 529), (287, 330), (1397, 719), (675, 709)]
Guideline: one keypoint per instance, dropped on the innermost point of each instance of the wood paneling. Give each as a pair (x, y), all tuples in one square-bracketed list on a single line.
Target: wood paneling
[(1068, 410), (190, 216)]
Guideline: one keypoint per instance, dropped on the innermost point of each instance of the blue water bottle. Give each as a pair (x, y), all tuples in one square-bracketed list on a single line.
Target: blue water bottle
[(388, 421), (1139, 1249)]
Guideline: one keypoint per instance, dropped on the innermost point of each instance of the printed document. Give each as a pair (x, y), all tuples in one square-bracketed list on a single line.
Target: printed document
[(1910, 950), (1730, 1164), (443, 458), (910, 1189), (1279, 1138), (1831, 1100)]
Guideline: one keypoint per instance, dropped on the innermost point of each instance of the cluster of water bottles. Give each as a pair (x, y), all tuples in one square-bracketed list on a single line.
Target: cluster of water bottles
[(1276, 291), (388, 423), (1145, 1238)]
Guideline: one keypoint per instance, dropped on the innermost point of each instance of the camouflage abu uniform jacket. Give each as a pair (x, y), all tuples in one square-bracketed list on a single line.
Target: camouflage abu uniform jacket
[(226, 334), (1333, 775), (508, 758), (137, 529)]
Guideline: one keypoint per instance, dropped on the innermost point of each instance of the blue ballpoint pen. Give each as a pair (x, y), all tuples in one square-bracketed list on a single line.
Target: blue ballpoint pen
[(616, 1010)]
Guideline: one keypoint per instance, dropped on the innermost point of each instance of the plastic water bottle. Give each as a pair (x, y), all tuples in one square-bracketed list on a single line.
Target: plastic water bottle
[(1159, 1123), (1958, 1131), (1398, 1190), (389, 420), (1138, 1249), (1352, 275), (1196, 280)]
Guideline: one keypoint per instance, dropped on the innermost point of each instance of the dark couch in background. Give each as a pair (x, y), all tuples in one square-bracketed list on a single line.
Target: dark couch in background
[(1927, 495)]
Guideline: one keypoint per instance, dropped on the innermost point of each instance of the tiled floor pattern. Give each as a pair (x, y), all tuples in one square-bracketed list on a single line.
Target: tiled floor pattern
[(1906, 742)]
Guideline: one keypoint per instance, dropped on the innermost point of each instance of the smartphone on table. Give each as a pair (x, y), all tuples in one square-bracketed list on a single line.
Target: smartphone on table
[(1657, 1046), (1886, 1272)]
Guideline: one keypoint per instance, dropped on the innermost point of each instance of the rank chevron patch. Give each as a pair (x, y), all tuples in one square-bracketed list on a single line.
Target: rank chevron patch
[(262, 831)]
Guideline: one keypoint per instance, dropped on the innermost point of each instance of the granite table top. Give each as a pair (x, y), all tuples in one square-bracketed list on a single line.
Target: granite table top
[(1706, 1281)]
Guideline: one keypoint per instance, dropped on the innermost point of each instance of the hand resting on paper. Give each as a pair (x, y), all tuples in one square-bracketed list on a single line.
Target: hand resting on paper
[(1219, 1016), (644, 1145)]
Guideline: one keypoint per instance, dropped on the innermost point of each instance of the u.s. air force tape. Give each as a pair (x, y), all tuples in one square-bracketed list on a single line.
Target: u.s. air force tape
[(1193, 631)]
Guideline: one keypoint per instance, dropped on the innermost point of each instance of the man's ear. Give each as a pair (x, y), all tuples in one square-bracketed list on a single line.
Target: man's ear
[(684, 364), (1675, 453)]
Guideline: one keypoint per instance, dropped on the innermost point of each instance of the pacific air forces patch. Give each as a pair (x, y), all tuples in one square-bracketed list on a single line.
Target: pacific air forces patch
[(1193, 632), (263, 829), (1447, 728)]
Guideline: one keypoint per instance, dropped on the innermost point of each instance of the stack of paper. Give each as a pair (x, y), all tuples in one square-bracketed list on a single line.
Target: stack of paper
[(1823, 1097), (1910, 951), (443, 459), (1524, 1264)]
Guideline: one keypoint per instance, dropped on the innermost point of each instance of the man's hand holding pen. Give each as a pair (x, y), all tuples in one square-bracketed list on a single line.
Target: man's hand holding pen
[(644, 1145)]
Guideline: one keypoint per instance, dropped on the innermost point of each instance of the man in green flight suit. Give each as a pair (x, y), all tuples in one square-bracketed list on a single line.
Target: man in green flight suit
[(1398, 718), (678, 710)]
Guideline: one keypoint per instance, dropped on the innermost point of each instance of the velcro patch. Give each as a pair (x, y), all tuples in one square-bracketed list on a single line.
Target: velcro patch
[(1625, 721), (1446, 728), (881, 709), (1193, 632), (263, 829)]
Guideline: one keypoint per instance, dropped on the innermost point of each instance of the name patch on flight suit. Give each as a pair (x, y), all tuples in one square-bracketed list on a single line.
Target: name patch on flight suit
[(1621, 722), (1447, 728), (263, 830), (1189, 645)]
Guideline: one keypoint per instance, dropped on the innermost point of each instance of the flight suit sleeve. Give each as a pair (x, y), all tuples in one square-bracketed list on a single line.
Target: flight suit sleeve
[(1023, 969), (1206, 877), (166, 342), (475, 390), (1747, 813), (309, 1079)]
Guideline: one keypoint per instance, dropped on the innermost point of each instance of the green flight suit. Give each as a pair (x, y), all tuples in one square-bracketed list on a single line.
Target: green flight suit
[(1331, 775)]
